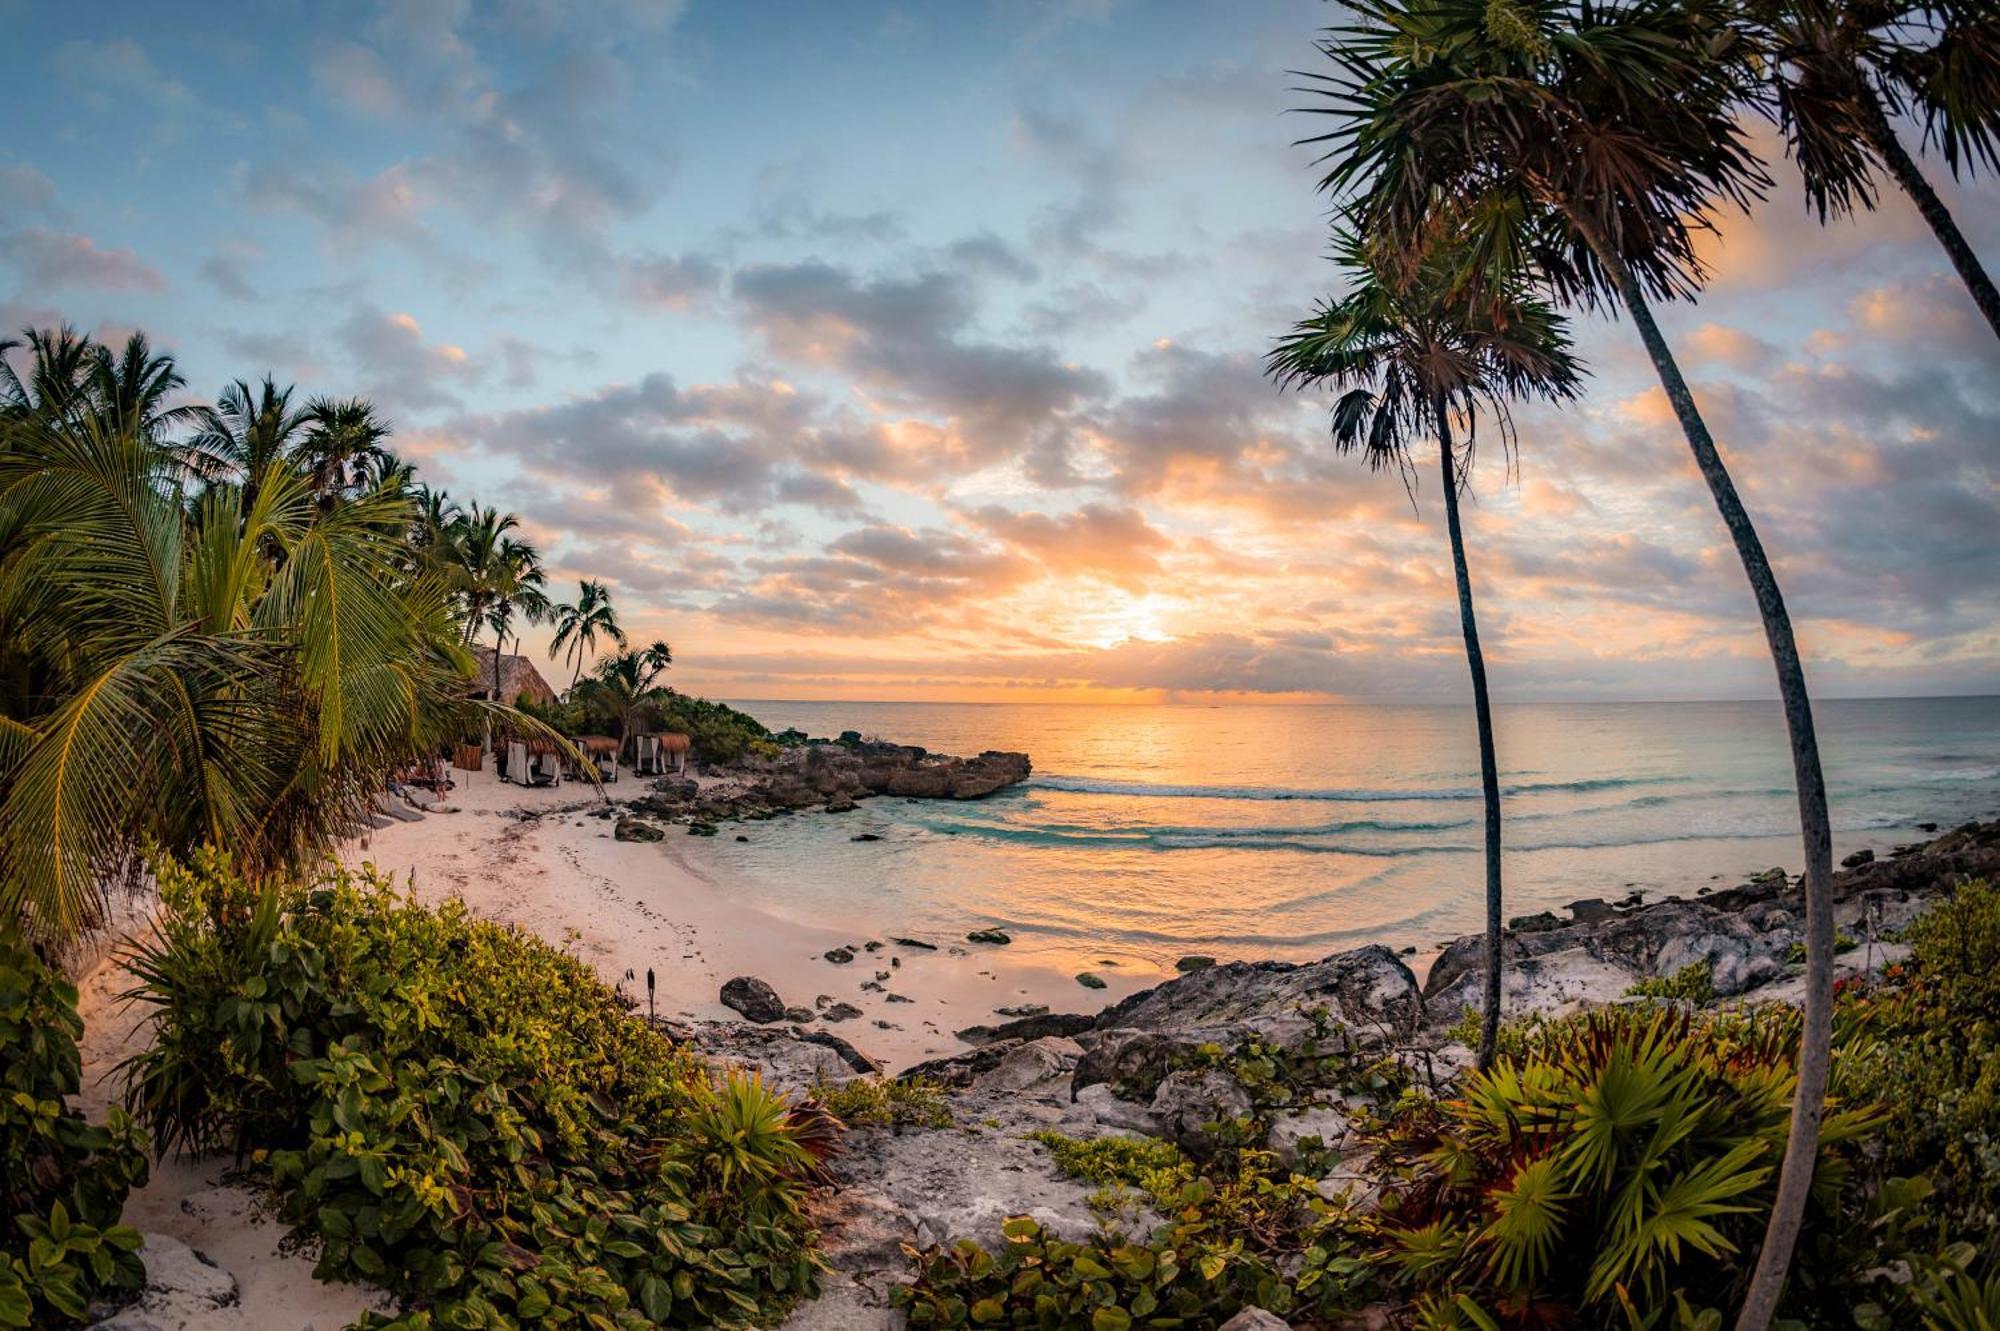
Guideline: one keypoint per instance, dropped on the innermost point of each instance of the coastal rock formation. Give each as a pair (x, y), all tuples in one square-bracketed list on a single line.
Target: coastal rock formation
[(1367, 989), (1744, 934), (832, 776)]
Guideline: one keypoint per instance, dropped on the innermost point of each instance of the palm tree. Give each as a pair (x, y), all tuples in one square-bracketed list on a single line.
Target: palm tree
[(61, 362), (246, 433), (1411, 356), (341, 445), (1839, 69), (628, 685), (134, 387), (581, 623), (518, 590), (234, 671), (474, 540), (1591, 143)]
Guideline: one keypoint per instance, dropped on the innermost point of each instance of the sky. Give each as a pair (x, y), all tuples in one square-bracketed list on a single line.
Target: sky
[(914, 351)]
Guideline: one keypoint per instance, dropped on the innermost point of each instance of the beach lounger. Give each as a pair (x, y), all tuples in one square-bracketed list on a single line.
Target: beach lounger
[(393, 809)]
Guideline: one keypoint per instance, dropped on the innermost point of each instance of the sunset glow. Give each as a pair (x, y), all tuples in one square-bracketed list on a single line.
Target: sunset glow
[(979, 413)]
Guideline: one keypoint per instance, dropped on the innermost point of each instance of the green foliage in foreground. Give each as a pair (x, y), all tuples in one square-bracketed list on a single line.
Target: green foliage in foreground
[(1620, 1166), (462, 1114), (1158, 1170), (63, 1181), (887, 1102)]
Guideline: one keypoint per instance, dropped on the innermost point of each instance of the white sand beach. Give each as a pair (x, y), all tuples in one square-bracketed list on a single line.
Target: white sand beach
[(628, 906)]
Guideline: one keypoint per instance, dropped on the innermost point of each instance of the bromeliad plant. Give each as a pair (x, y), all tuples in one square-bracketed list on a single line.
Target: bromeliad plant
[(63, 1180), (462, 1114), (1611, 1176)]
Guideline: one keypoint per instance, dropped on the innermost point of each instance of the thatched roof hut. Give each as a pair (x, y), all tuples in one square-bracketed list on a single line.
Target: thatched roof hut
[(518, 677)]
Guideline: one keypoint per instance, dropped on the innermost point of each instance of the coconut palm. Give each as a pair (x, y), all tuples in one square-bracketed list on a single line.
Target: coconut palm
[(628, 685), (1414, 358), (1591, 143), (56, 379), (245, 434), (1838, 70), (190, 688), (518, 591), (581, 623), (341, 444), (475, 544)]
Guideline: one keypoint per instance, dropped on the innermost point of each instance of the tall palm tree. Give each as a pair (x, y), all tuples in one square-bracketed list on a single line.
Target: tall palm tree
[(579, 625), (57, 379), (1838, 70), (1412, 356), (135, 387), (1592, 142), (627, 685), (343, 440), (518, 591), (245, 433), (475, 539)]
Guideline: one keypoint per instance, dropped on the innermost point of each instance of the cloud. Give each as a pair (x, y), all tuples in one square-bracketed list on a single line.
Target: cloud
[(24, 192), (54, 259), (398, 368), (110, 75)]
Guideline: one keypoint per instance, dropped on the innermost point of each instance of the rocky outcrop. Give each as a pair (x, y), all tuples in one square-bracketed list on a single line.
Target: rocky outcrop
[(831, 776), (1368, 989), (1745, 935)]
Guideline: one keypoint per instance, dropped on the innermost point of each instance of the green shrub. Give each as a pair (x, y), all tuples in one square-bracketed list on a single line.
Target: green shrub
[(1122, 1168), (1692, 983), (1193, 1273), (63, 1181), (462, 1114), (1621, 1164), (883, 1102)]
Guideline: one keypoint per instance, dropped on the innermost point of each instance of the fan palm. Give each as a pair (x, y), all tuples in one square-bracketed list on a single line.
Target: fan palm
[(1591, 143), (581, 623), (628, 685), (1412, 357), (341, 443), (1839, 69)]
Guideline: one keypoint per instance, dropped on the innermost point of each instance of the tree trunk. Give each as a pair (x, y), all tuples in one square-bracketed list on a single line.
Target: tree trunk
[(1489, 766), (1781, 1233), (1882, 137)]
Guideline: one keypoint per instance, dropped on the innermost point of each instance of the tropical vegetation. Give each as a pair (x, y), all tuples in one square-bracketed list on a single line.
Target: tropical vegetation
[(461, 1114)]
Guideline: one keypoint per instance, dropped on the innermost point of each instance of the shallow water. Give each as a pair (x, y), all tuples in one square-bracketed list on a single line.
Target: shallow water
[(1294, 831)]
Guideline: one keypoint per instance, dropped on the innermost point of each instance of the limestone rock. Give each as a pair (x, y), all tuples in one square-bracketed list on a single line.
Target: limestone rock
[(1368, 989), (636, 829), (1255, 1319), (1190, 1101), (1112, 1112), (1325, 1122), (755, 999), (1038, 1063)]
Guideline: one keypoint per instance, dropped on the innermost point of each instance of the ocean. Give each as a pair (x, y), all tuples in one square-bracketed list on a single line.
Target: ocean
[(1150, 832)]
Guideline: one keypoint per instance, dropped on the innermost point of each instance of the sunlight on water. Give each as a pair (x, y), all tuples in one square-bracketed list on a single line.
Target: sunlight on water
[(1148, 832)]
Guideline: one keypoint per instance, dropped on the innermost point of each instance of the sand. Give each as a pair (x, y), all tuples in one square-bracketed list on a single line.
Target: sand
[(537, 859), (629, 906)]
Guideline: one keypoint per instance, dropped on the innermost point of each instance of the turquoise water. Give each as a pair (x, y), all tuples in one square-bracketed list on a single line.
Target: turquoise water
[(1288, 831)]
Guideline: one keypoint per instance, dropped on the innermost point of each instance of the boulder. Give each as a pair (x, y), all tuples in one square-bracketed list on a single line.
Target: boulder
[(1857, 859), (1089, 981), (1327, 1123), (1368, 989), (998, 937), (849, 1055), (1132, 1060), (1030, 1028), (1038, 1063), (1112, 1112), (839, 1012), (1192, 1101), (1194, 961), (756, 1000), (839, 956), (636, 829)]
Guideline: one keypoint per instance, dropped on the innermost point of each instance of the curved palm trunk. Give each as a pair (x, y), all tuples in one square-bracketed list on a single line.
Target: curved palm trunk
[(1882, 138), (1781, 1233), (1489, 766)]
